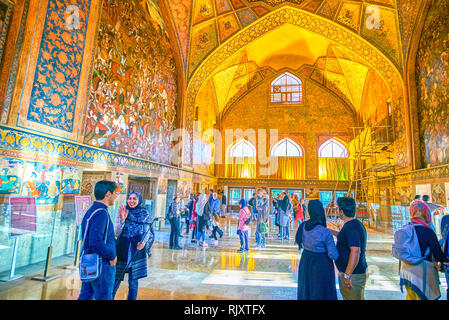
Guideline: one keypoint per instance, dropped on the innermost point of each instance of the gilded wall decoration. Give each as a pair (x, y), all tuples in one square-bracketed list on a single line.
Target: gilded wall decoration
[(246, 17), (203, 41), (407, 13), (132, 105), (180, 11), (385, 35), (274, 3), (432, 74), (203, 10), (329, 8), (6, 9), (349, 15), (375, 97), (54, 92), (222, 6), (227, 26), (260, 11), (15, 64), (391, 3), (313, 5), (237, 4)]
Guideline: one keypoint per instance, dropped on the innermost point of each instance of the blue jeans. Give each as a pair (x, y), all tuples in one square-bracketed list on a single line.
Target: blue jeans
[(257, 233), (133, 287), (202, 235), (244, 240), (101, 288)]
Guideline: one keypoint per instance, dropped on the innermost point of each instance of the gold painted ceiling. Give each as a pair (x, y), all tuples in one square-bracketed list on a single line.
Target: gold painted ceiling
[(203, 25)]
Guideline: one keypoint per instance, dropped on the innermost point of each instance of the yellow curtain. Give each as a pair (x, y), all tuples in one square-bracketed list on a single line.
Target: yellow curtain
[(288, 168), (241, 167), (334, 168)]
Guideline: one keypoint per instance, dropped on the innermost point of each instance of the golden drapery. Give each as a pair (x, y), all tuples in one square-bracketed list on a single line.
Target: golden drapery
[(241, 167), (288, 168), (334, 168)]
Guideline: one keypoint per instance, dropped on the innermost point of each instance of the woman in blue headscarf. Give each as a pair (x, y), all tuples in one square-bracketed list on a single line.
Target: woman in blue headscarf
[(316, 273), (132, 230)]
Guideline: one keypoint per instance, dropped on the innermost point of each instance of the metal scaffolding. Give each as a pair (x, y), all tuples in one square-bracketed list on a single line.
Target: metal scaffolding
[(372, 158)]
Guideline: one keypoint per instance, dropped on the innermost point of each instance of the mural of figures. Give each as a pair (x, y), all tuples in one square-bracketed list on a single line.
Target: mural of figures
[(121, 182), (42, 181), (404, 195), (71, 181), (439, 194), (11, 171), (132, 105), (162, 186), (433, 85)]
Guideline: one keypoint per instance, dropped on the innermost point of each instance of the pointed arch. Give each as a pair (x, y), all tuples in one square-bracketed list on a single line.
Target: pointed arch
[(333, 160), (242, 149), (333, 148), (287, 148), (287, 89)]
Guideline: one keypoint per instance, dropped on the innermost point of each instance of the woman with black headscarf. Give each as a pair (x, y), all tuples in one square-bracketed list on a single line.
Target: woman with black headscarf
[(316, 273), (132, 230), (284, 219)]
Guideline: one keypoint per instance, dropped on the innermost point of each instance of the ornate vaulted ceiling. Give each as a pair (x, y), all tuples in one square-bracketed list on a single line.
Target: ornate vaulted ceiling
[(347, 46), (203, 25)]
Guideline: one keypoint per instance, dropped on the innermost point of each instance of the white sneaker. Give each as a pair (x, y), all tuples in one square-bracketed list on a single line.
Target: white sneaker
[(216, 242), (205, 244)]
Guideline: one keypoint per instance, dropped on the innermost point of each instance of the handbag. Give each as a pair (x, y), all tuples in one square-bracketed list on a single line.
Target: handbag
[(90, 263), (263, 227)]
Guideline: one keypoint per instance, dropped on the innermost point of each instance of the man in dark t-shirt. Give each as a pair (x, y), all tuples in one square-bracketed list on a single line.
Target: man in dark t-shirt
[(351, 246)]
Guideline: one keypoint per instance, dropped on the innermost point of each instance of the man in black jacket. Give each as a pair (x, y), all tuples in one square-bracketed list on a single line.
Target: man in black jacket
[(174, 216)]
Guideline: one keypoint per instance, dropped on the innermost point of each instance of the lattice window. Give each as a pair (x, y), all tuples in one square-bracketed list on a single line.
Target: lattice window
[(287, 89)]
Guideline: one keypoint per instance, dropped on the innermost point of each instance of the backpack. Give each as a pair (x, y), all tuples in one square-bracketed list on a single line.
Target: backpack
[(406, 246)]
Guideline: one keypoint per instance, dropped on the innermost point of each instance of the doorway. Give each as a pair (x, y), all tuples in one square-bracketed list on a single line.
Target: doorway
[(172, 188)]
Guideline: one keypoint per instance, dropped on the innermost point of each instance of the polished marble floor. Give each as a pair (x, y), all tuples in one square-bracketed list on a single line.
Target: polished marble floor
[(216, 272)]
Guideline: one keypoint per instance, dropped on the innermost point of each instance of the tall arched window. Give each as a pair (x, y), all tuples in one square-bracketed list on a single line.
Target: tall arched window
[(333, 161), (242, 148), (286, 148), (287, 161), (333, 149), (286, 89), (241, 162)]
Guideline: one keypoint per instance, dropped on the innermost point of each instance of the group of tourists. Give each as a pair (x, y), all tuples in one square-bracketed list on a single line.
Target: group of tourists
[(201, 214), (421, 255), (123, 247)]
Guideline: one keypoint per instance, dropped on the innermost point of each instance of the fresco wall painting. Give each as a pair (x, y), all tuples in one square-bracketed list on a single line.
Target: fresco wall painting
[(132, 105), (432, 76)]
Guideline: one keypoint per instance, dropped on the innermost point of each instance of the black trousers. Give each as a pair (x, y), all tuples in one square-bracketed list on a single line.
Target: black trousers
[(174, 233), (214, 232)]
